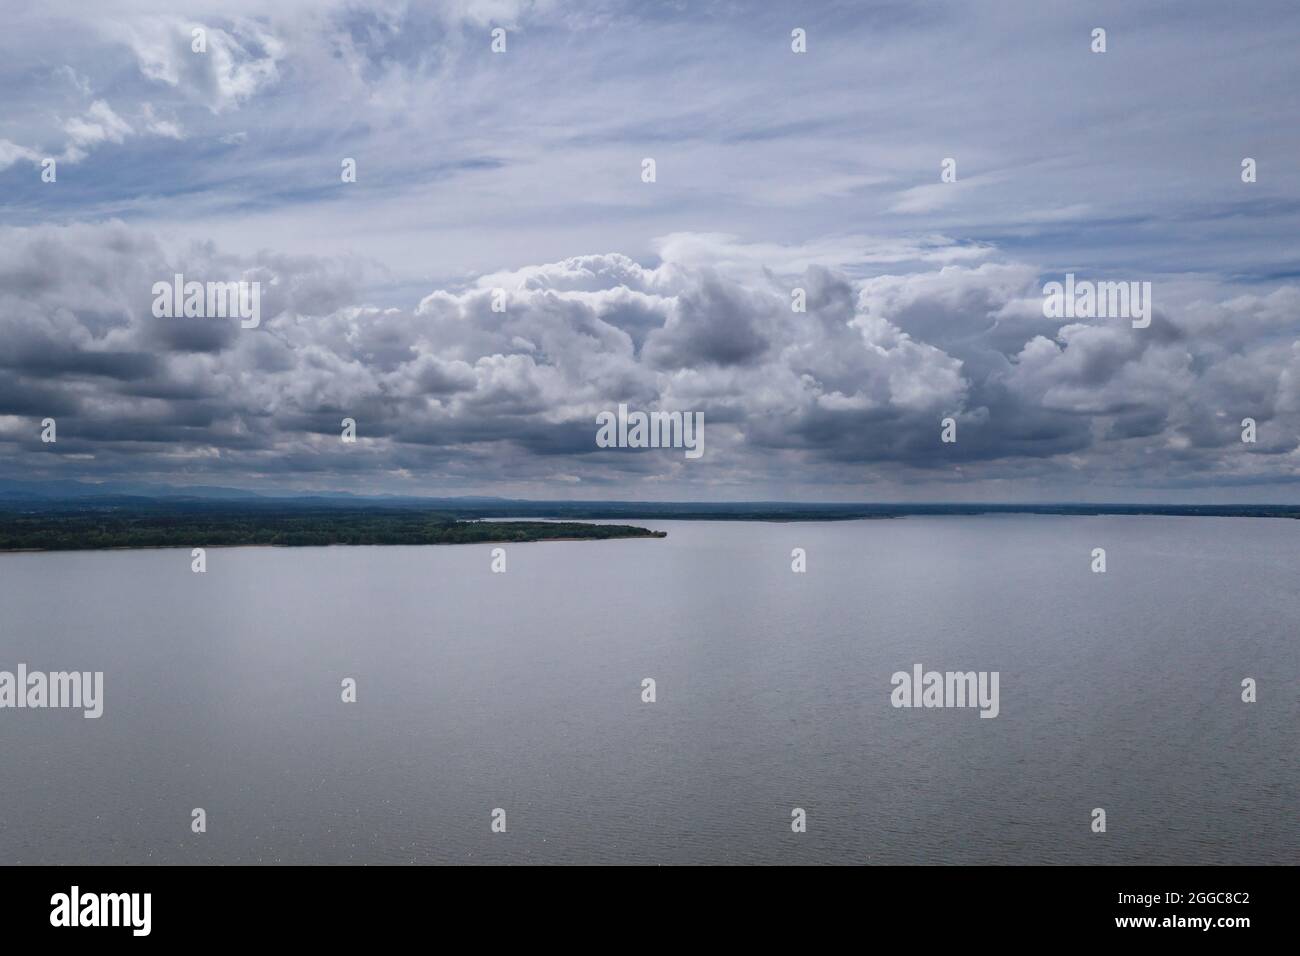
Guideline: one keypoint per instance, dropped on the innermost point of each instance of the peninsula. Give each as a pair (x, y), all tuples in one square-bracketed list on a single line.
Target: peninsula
[(153, 527)]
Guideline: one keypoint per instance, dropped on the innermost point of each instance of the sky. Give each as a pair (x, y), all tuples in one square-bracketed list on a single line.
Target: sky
[(774, 170)]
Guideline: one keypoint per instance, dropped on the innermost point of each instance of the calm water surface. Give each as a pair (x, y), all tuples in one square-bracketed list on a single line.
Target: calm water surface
[(523, 691)]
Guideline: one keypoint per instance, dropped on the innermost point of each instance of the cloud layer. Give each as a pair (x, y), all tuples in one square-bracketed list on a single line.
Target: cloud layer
[(450, 395)]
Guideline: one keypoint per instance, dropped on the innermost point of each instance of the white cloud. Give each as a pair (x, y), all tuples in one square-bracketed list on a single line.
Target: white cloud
[(11, 153), (158, 126), (241, 59), (98, 125)]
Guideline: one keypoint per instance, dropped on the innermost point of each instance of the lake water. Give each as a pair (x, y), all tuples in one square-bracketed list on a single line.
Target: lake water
[(522, 691)]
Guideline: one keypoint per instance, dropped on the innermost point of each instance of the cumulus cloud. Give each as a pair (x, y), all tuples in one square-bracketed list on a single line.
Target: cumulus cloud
[(452, 394)]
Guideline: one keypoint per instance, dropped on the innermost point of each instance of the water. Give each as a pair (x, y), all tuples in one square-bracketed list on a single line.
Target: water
[(523, 691)]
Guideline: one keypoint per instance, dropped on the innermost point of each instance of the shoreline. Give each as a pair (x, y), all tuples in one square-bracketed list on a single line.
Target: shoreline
[(337, 544)]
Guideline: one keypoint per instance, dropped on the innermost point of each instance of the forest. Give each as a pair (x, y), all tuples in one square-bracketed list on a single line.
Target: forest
[(93, 529)]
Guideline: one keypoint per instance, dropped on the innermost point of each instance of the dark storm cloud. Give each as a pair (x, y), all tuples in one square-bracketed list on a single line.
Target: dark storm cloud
[(48, 359), (714, 323)]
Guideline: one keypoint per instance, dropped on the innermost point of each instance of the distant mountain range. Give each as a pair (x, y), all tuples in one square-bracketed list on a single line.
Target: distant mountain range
[(12, 490)]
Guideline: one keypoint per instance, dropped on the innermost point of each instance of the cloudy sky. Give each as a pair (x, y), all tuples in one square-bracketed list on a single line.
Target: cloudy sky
[(775, 170)]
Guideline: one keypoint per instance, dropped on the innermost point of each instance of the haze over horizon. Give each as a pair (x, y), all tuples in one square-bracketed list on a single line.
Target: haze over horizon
[(71, 489), (522, 171)]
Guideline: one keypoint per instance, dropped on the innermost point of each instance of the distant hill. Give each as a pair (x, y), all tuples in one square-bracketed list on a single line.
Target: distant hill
[(13, 489)]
